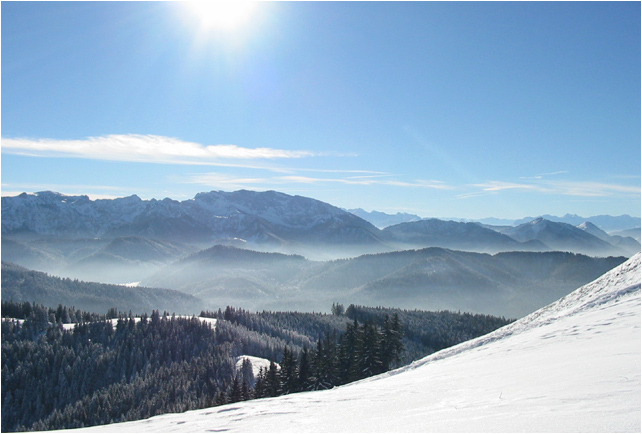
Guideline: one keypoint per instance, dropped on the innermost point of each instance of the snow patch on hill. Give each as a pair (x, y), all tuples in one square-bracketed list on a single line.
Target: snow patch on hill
[(258, 363)]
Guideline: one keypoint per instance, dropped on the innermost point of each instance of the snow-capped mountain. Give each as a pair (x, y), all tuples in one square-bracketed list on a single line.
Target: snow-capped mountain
[(605, 222), (627, 244), (267, 217), (572, 366)]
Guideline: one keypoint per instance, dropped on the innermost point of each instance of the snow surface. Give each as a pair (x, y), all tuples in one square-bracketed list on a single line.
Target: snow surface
[(114, 321), (573, 366), (257, 364)]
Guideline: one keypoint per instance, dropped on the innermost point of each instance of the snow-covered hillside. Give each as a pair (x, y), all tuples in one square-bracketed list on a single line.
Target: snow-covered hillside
[(573, 366)]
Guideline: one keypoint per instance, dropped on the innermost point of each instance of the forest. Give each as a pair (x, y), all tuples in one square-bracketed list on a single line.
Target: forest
[(118, 366)]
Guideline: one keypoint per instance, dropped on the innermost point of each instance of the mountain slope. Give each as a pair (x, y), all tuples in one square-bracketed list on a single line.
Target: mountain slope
[(627, 244), (126, 259), (454, 235), (506, 284), (561, 236), (225, 275), (571, 366), (20, 285)]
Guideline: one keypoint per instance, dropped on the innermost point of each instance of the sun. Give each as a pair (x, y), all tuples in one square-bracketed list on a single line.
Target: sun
[(221, 15)]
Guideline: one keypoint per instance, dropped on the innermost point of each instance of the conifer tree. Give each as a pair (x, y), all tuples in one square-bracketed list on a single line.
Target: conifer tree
[(347, 353), (272, 383), (234, 394), (287, 373), (260, 387), (247, 373), (303, 371)]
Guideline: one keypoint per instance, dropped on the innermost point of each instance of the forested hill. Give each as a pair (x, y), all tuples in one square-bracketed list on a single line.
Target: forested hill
[(20, 284), (116, 368)]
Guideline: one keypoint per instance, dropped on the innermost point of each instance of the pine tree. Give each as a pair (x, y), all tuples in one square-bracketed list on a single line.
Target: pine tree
[(369, 351), (325, 363), (394, 342), (247, 373), (260, 387), (272, 383), (220, 398), (246, 391), (303, 371), (347, 356), (287, 374), (234, 393)]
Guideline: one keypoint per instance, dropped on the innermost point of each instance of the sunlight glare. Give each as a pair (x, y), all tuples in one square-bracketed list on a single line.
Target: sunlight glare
[(222, 15)]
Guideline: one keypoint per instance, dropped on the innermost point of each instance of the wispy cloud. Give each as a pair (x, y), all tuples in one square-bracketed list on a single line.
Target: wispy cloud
[(542, 175), (146, 148), (592, 189), (227, 181), (560, 187), (501, 185), (219, 180)]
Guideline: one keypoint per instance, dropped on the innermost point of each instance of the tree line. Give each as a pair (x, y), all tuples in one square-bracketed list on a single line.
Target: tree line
[(99, 373)]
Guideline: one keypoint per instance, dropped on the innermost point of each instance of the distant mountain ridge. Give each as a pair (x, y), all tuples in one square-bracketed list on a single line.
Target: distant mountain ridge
[(560, 236), (251, 249), (383, 220), (263, 218), (455, 235), (509, 284), (607, 223), (126, 239)]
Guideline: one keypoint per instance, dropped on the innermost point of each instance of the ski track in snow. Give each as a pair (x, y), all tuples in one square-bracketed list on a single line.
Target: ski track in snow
[(573, 366)]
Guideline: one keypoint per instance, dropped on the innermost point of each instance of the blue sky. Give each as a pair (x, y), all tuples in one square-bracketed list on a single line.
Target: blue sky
[(441, 109)]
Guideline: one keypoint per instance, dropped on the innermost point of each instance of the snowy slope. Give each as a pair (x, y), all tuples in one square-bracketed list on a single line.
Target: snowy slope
[(573, 366)]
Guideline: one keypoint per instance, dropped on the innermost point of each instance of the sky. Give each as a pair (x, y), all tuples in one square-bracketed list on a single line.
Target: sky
[(440, 109)]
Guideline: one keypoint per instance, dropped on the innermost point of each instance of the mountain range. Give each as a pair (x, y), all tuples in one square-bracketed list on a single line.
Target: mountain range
[(269, 218), (273, 221), (607, 223), (270, 250)]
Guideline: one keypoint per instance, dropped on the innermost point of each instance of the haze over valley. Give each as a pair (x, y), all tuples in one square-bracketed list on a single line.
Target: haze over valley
[(270, 250)]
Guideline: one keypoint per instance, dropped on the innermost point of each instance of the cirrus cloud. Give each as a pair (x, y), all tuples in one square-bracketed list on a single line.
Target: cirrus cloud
[(561, 187), (144, 148), (228, 181)]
